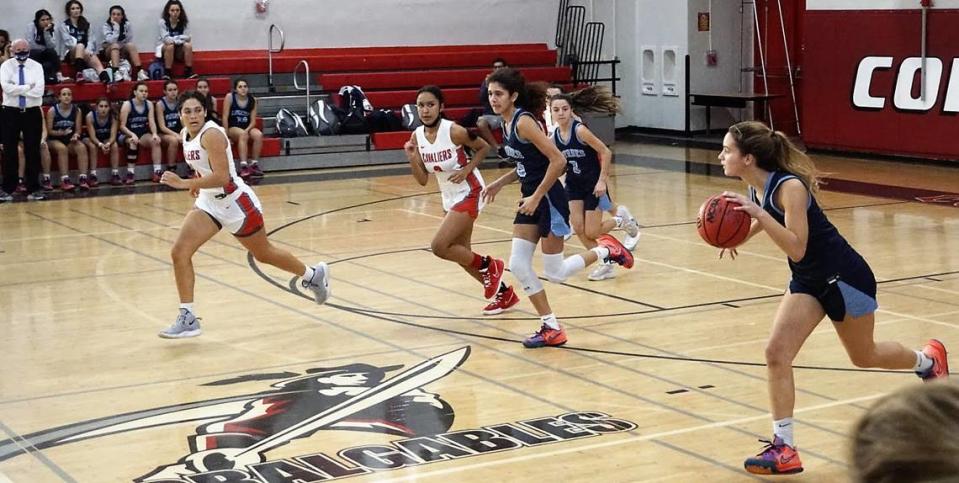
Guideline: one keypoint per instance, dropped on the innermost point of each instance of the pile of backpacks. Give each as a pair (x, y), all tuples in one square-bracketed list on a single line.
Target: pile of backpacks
[(354, 115)]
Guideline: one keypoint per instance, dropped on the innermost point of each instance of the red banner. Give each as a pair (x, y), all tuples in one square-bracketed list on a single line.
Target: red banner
[(861, 81)]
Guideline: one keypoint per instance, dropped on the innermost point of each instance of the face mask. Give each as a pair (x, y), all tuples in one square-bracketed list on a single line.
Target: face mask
[(21, 56)]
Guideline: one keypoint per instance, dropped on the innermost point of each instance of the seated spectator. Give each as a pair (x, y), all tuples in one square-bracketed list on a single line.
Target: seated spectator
[(911, 435), (65, 128), (42, 38), (138, 130), (175, 40), (6, 47), (118, 42), (102, 138), (239, 121), (76, 38), (203, 87), (168, 123), (45, 161), (489, 120)]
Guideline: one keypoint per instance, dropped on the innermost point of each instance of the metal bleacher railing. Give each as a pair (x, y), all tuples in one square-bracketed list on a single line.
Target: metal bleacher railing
[(579, 45)]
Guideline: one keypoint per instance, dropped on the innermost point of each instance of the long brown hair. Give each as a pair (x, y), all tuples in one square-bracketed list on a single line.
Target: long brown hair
[(775, 152), (530, 95), (911, 435), (590, 99)]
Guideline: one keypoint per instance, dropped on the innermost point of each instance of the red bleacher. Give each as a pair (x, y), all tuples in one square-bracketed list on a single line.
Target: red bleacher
[(91, 91), (390, 76), (441, 77)]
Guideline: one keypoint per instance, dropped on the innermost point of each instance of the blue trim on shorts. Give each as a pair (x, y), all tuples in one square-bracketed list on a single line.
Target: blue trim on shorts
[(857, 303), (558, 224), (605, 203)]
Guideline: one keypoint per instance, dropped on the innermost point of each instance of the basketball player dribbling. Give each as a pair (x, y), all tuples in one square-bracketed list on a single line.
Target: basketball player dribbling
[(542, 216), (829, 278), (223, 200), (438, 147)]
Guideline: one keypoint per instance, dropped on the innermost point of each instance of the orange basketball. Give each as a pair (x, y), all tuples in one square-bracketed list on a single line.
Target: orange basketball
[(720, 225)]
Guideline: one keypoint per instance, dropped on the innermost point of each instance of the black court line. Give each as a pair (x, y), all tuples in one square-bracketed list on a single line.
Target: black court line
[(387, 316), (621, 391)]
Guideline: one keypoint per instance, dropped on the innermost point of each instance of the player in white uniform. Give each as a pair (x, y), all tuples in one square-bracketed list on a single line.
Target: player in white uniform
[(223, 200), (438, 147)]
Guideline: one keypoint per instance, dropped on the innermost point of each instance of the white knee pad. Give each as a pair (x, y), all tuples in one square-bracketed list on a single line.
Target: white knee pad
[(521, 264), (557, 269)]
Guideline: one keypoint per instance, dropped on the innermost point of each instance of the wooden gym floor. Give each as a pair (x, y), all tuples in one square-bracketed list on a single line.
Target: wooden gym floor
[(662, 378)]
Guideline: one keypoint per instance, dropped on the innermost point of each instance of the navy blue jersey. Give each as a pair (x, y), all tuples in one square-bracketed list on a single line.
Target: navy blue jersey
[(827, 252), (171, 115), (582, 160), (65, 121), (102, 128), (240, 115), (82, 36), (531, 164), (138, 121)]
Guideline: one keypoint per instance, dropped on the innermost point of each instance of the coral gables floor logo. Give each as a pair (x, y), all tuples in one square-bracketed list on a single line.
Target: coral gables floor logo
[(453, 445), (236, 433)]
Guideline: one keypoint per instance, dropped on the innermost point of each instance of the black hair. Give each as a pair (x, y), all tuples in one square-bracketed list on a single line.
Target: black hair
[(40, 39), (133, 90), (123, 23), (530, 96), (82, 23), (251, 99), (166, 14), (432, 89), (186, 96)]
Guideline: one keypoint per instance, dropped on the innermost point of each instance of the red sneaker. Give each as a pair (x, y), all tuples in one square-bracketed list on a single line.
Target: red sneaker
[(156, 175), (546, 336), (777, 458), (21, 187), (130, 179), (491, 277), (245, 173), (503, 301), (93, 181), (617, 252), (46, 184), (255, 170), (83, 184), (940, 365), (67, 185), (115, 179)]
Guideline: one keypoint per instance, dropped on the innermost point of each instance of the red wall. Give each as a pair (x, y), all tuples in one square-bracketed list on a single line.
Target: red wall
[(776, 72), (835, 44)]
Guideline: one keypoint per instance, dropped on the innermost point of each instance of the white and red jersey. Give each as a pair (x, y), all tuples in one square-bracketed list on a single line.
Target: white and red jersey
[(443, 158), (198, 159)]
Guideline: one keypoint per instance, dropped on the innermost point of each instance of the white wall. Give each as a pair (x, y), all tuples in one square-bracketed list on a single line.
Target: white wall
[(732, 40), (233, 24)]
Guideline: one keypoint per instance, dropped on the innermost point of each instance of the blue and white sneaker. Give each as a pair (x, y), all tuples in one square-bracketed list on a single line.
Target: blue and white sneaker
[(4, 196), (186, 325), (319, 283)]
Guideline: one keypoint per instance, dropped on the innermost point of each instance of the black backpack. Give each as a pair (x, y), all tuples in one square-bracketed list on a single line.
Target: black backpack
[(384, 120), (289, 124), (411, 117), (325, 118), (356, 107)]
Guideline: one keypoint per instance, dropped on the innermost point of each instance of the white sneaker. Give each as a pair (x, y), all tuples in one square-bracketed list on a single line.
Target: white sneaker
[(142, 75), (185, 325), (319, 283), (602, 272), (630, 226)]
